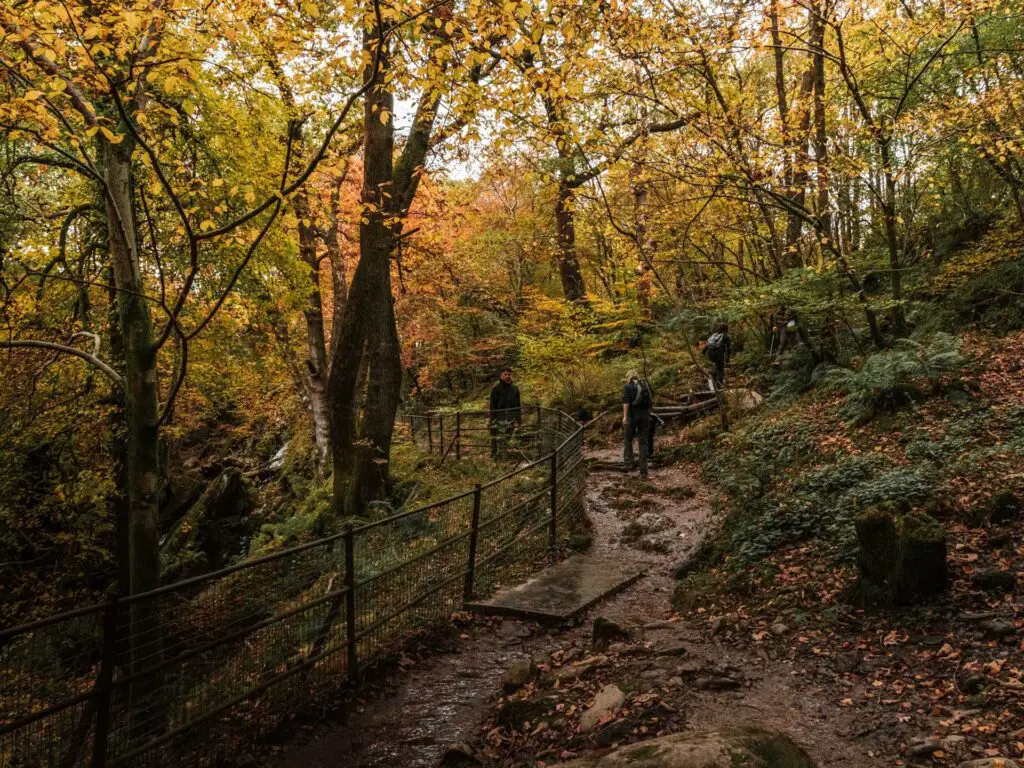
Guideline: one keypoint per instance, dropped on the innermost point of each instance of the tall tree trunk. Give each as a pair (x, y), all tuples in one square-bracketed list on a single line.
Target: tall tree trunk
[(339, 283), (362, 446), (823, 217), (142, 431), (801, 161), (569, 272), (119, 445), (888, 205), (782, 100), (640, 236), (317, 361), (565, 241)]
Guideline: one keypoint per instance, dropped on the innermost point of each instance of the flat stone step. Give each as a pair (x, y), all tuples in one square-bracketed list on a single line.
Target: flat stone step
[(562, 591)]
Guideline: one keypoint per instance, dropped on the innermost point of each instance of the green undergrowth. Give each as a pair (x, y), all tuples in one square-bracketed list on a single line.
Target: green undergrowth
[(799, 472)]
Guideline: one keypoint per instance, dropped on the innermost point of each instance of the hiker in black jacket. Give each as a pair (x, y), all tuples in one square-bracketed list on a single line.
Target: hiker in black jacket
[(636, 419), (718, 347), (505, 412)]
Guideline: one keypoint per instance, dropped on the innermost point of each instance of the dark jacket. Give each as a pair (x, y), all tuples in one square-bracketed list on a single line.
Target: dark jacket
[(505, 400), (629, 395)]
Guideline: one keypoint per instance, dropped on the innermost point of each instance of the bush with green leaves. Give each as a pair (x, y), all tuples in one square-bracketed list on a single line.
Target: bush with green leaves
[(894, 378)]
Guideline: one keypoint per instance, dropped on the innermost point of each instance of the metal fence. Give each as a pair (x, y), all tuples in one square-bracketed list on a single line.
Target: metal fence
[(190, 673)]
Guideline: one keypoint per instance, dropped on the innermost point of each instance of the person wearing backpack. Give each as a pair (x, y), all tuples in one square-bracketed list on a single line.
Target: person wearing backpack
[(636, 419), (717, 348)]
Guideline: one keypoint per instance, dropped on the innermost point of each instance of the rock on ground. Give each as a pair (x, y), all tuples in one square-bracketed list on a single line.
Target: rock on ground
[(518, 674), (750, 747), (608, 701), (607, 632)]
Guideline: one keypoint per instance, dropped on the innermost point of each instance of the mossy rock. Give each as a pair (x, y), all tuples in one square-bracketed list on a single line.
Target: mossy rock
[(725, 748), (901, 554), (1005, 506)]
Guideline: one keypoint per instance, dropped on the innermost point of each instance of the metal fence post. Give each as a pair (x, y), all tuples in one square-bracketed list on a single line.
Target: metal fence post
[(458, 435), (554, 505), (474, 530), (430, 434), (350, 602), (440, 434), (104, 687)]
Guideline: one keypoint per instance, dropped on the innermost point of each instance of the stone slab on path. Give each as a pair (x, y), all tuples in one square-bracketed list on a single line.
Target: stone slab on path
[(564, 590)]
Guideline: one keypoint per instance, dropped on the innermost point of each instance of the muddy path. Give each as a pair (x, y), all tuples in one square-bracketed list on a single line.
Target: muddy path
[(451, 694)]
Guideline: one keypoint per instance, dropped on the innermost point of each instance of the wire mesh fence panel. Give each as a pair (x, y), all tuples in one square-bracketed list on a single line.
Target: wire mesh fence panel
[(188, 674), (47, 682), (201, 660), (410, 573), (513, 534)]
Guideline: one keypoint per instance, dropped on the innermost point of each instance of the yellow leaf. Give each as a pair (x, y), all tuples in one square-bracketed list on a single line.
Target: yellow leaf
[(218, 182), (110, 136), (206, 225), (384, 116), (449, 28), (33, 95)]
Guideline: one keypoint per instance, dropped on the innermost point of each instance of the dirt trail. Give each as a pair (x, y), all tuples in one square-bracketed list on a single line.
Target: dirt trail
[(410, 718)]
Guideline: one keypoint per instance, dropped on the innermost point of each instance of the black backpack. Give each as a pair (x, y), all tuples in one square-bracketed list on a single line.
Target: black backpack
[(642, 398)]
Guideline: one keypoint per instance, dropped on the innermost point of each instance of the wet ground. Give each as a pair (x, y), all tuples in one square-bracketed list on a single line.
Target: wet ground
[(447, 697)]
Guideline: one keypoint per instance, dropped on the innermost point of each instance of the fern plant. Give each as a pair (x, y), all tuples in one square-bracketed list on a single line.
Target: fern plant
[(889, 380)]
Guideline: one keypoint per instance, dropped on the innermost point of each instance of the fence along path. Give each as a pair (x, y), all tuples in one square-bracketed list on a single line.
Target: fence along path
[(230, 654)]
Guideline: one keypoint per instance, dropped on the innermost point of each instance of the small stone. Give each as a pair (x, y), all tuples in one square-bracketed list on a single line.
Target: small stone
[(779, 629), (606, 632), (997, 628), (691, 667), (847, 662), (673, 650), (952, 742), (722, 623), (613, 733), (608, 701), (651, 522), (458, 754), (674, 682), (716, 684), (653, 544), (571, 655), (573, 672), (618, 647), (656, 625), (922, 747), (653, 674), (974, 684), (518, 674), (999, 539), (994, 580)]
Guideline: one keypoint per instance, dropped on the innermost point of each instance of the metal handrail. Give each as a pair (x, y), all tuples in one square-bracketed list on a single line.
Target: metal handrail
[(92, 691)]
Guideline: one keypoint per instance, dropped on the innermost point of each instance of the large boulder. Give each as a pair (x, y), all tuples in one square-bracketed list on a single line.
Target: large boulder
[(727, 748), (901, 554), (213, 532)]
